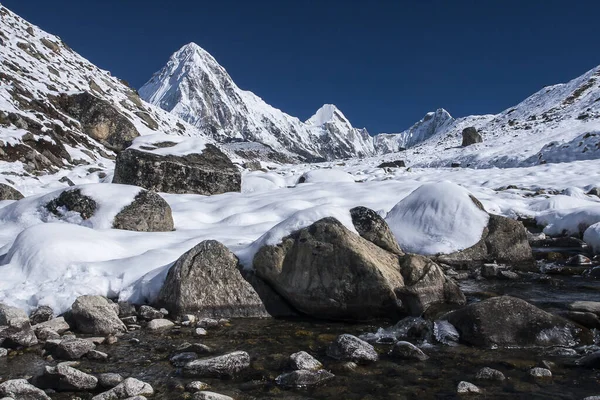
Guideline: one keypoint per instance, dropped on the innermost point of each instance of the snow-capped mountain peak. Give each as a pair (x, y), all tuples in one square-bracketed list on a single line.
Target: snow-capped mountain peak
[(328, 113)]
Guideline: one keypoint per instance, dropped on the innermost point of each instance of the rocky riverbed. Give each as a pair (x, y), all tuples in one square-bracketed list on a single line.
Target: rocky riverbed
[(158, 357)]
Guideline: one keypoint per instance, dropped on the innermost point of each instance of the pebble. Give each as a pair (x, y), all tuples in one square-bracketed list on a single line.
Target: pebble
[(196, 386), (200, 332), (161, 323), (467, 388), (540, 372), (490, 374)]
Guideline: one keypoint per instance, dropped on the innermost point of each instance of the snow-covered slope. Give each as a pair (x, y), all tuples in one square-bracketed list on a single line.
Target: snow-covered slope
[(39, 141), (432, 124), (196, 88)]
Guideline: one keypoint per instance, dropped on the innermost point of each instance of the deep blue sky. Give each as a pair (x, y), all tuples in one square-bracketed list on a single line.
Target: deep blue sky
[(383, 63)]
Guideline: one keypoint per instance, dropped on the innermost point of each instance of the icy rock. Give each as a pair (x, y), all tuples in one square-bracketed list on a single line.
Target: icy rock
[(221, 366), (303, 378), (350, 348), (96, 315), (303, 360), (128, 388), (408, 351), (22, 390)]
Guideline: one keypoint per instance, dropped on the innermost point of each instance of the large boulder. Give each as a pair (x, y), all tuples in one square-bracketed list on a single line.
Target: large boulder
[(9, 193), (327, 271), (209, 172), (96, 315), (147, 213), (129, 388), (226, 365), (372, 227), (509, 321), (470, 136), (206, 281), (99, 119), (15, 328), (64, 377), (22, 390), (504, 240)]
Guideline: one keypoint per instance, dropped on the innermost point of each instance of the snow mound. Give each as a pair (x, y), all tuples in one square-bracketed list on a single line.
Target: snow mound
[(259, 181), (570, 221), (326, 175), (295, 222), (437, 218), (592, 237)]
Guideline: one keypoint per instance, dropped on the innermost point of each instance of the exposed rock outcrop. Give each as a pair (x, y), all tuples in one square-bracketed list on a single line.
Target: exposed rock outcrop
[(470, 136)]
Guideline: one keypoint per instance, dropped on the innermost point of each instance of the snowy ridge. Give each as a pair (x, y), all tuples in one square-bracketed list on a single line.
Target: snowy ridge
[(40, 143), (196, 88)]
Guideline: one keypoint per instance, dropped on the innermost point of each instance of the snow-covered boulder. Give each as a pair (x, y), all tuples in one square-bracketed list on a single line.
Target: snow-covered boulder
[(446, 220), (170, 164), (326, 270), (206, 281)]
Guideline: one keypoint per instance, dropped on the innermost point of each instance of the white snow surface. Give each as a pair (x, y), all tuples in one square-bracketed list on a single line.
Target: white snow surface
[(437, 218), (163, 145)]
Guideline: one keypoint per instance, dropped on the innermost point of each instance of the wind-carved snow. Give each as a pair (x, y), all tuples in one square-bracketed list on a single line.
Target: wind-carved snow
[(196, 88)]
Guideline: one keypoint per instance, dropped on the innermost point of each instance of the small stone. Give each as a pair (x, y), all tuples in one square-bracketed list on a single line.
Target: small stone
[(3, 352), (200, 332), (179, 360), (350, 348), (508, 275), (204, 395), (222, 366), (64, 377), (128, 388), (46, 333), (73, 349), (149, 313), (467, 388), (129, 320), (490, 374), (96, 355), (542, 373), (41, 314), (110, 339), (157, 324), (196, 386), (304, 378), (303, 360), (109, 380), (208, 323), (134, 341), (126, 309), (408, 351)]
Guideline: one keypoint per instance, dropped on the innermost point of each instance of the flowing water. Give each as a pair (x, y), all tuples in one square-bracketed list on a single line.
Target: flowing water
[(270, 342)]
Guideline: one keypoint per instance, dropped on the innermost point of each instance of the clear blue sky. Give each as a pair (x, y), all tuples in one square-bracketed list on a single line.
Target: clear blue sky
[(384, 63)]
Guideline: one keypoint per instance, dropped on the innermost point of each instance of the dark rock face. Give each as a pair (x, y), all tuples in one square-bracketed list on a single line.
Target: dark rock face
[(96, 315), (392, 164), (222, 366), (99, 119), (372, 227), (507, 321), (73, 200), (147, 213), (210, 172), (470, 136), (504, 240), (9, 193), (350, 348), (206, 281), (327, 271)]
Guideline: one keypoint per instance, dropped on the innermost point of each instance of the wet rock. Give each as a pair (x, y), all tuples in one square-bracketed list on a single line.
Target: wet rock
[(444, 332), (200, 332), (128, 388), (590, 361), (228, 295), (179, 360), (360, 280), (540, 373), (3, 352), (210, 172), (587, 319), (275, 304), (221, 366), (467, 388), (15, 328), (585, 306), (578, 260), (99, 119), (350, 348), (59, 325), (157, 324), (490, 374), (303, 360), (109, 380), (504, 240), (147, 213), (22, 390), (207, 323), (205, 395), (408, 351), (470, 136), (73, 349), (149, 313), (9, 193), (507, 321), (196, 386), (96, 355), (304, 378), (96, 315), (373, 228), (41, 314), (64, 377)]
